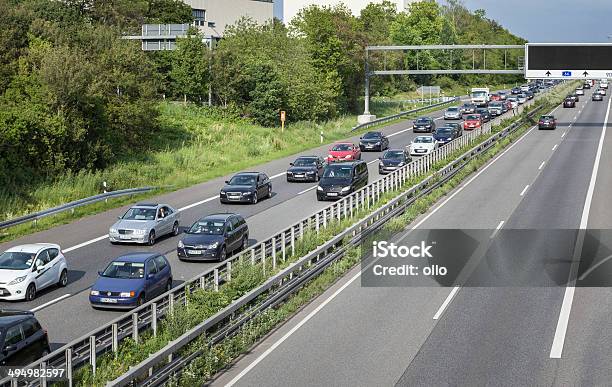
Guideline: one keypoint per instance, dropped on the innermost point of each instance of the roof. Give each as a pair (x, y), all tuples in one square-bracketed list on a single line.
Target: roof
[(222, 216), (248, 173), (136, 257), (308, 157), (343, 142), (33, 247), (147, 205), (10, 316)]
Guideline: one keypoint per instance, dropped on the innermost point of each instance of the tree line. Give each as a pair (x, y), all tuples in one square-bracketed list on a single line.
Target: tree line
[(74, 96)]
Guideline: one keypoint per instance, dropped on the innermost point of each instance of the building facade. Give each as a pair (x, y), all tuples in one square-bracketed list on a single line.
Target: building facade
[(287, 9)]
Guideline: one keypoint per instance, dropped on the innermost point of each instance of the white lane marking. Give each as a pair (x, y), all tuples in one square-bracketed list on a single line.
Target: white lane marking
[(524, 190), (306, 190), (575, 118), (198, 203), (400, 132), (446, 302), (563, 134), (554, 147), (373, 161), (566, 307), (592, 268), (278, 175), (39, 307), (293, 330), (499, 226), (541, 165), (98, 239)]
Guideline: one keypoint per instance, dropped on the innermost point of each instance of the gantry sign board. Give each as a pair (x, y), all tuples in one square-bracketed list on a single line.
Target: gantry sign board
[(568, 60)]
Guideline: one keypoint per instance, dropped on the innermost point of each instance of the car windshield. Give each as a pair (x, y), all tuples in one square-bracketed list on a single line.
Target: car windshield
[(338, 171), (472, 117), (371, 135), (422, 120), (423, 140), (495, 104), (137, 213), (393, 155), (452, 109), (479, 93), (243, 180), (16, 260), (305, 162), (342, 147), (119, 269), (207, 227), (444, 131), (547, 118)]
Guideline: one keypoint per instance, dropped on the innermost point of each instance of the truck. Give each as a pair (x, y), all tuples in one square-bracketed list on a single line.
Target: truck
[(480, 96)]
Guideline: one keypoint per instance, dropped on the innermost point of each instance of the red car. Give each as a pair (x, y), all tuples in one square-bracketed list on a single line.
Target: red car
[(496, 97), (472, 121), (343, 151), (508, 105)]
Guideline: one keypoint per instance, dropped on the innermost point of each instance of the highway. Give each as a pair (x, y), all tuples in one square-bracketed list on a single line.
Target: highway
[(88, 250), (532, 328)]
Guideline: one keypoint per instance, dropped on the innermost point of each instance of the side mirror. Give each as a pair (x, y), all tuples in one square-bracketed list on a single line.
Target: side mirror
[(100, 272), (291, 164), (9, 348), (226, 181), (380, 158), (150, 276), (118, 217)]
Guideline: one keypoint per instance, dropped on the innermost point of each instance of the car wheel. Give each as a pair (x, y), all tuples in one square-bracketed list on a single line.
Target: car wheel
[(317, 177), (269, 195), (245, 243), (254, 200), (141, 300), (169, 285), (63, 280), (223, 255), (151, 240), (30, 292), (175, 229)]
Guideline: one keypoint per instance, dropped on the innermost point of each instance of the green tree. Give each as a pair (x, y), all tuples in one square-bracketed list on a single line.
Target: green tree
[(267, 93), (189, 72)]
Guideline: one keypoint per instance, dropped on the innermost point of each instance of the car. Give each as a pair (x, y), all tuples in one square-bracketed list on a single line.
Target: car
[(503, 95), (22, 338), (306, 168), (342, 179), (524, 88), (530, 94), (512, 102), (457, 126), (569, 102), (27, 269), (144, 223), (130, 280), (484, 114), (579, 91), (424, 124), (597, 97), (575, 97), (472, 121), (214, 238), (343, 151), (547, 122), (445, 135), (521, 98), (373, 141), (602, 91), (246, 187), (515, 91), (587, 85), (603, 84), (467, 108), (392, 160), (422, 145), (496, 108), (495, 97), (453, 113)]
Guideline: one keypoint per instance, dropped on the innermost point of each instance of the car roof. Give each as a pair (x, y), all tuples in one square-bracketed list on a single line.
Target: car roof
[(135, 257), (343, 143), (32, 247), (147, 205), (247, 173), (219, 216), (375, 132), (11, 316), (307, 157)]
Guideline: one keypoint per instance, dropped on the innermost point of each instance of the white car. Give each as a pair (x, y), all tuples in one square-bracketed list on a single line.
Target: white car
[(27, 269), (602, 91), (521, 99), (513, 102), (423, 145), (579, 91), (524, 88), (603, 84)]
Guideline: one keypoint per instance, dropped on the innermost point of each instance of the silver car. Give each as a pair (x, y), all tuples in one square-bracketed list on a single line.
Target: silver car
[(144, 223), (452, 113)]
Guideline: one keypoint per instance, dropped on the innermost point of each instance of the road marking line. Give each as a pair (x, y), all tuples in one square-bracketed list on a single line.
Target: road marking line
[(373, 161), (554, 147), (278, 175), (98, 239), (566, 308), (306, 190), (563, 134), (198, 203), (591, 269), (541, 165), (39, 307), (575, 118), (293, 330), (446, 302), (400, 132), (499, 226), (524, 190)]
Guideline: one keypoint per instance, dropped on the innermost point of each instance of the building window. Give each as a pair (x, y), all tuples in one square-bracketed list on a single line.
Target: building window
[(199, 17)]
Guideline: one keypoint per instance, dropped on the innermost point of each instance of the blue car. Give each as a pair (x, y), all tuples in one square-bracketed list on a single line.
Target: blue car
[(445, 135), (130, 280)]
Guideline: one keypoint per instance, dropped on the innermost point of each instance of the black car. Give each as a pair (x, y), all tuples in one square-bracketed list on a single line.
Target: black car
[(547, 122), (392, 160), (23, 339), (342, 179), (568, 102), (530, 94), (457, 126), (373, 141), (468, 108), (484, 114), (246, 187), (515, 90), (214, 238), (306, 168), (424, 124), (597, 96), (587, 85), (445, 134)]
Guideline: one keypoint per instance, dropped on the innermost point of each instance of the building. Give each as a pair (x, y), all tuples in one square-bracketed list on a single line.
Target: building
[(211, 17), (287, 9)]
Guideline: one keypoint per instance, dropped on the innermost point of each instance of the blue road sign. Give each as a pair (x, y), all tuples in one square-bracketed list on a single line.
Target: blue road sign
[(567, 73)]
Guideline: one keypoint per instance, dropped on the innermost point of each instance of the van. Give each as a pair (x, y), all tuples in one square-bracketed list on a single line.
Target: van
[(342, 179)]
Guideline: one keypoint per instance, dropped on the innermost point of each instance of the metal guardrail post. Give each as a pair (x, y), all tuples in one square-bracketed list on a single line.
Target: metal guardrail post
[(325, 217), (43, 378), (253, 256), (351, 205), (202, 282), (301, 230), (69, 366), (273, 253), (115, 338), (154, 318), (284, 246), (92, 354), (292, 241), (171, 303), (228, 271), (135, 327), (317, 221), (216, 279)]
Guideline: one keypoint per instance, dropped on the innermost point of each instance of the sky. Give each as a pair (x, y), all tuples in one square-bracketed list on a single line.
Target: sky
[(535, 20)]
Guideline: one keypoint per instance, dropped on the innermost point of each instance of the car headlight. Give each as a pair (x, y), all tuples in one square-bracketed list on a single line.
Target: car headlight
[(213, 245), (181, 244), (346, 189), (401, 164), (140, 232), (310, 172), (17, 280), (319, 188), (428, 126), (127, 294), (113, 230), (381, 164), (94, 293), (330, 156), (378, 143), (348, 156), (246, 193)]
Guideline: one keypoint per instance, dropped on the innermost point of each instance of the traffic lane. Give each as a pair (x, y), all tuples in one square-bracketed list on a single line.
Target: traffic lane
[(498, 334)]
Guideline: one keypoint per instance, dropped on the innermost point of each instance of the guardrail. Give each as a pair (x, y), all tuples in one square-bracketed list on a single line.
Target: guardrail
[(34, 217), (382, 120), (289, 280)]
